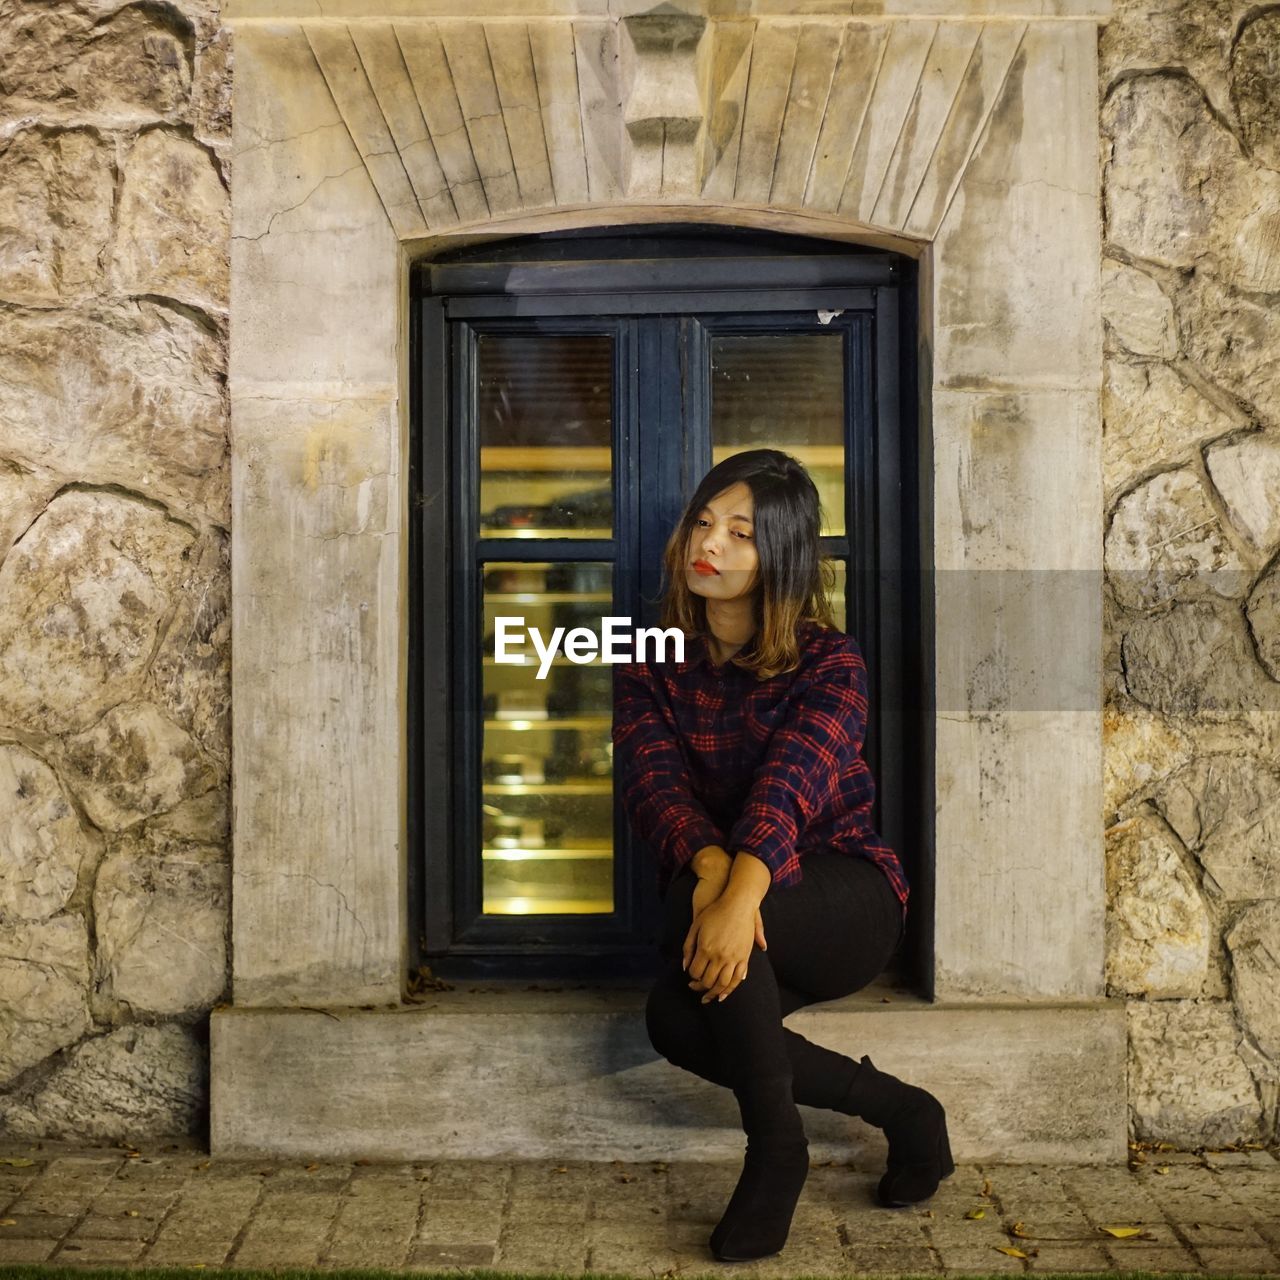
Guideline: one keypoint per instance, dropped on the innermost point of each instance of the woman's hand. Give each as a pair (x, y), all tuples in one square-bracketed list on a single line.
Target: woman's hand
[(719, 945)]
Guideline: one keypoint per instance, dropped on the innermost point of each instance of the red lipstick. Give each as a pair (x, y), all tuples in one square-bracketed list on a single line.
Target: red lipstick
[(702, 567)]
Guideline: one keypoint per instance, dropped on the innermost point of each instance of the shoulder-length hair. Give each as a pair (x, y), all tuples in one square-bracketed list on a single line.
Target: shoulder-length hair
[(794, 580)]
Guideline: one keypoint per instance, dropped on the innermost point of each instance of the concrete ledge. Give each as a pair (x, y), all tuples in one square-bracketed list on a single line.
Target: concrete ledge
[(571, 1075)]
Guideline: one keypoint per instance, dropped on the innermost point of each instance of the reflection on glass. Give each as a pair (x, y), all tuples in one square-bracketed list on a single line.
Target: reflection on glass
[(783, 391), (547, 748), (545, 416), (836, 595)]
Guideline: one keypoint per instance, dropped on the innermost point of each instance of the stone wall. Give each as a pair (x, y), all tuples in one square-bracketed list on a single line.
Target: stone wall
[(114, 577), (114, 568), (1191, 448)]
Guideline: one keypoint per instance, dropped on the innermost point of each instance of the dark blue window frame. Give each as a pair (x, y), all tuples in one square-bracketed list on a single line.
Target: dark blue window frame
[(663, 295)]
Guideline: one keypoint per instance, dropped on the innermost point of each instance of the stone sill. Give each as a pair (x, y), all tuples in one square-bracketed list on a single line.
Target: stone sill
[(571, 1075), (520, 997)]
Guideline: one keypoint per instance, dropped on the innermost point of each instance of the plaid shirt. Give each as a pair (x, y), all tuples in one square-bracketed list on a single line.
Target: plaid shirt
[(708, 755)]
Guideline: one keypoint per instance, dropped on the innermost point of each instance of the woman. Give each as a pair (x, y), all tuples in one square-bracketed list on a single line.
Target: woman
[(741, 766)]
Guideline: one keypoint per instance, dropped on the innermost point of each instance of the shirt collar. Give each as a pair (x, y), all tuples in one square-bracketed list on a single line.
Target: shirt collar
[(697, 655)]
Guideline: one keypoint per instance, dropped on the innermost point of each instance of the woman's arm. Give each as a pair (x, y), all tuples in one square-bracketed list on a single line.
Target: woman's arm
[(650, 769), (822, 733)]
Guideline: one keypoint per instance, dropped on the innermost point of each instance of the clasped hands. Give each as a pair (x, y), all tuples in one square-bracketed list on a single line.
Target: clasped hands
[(726, 920)]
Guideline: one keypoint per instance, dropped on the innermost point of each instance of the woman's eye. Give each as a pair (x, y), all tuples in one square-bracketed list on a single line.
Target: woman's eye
[(746, 537)]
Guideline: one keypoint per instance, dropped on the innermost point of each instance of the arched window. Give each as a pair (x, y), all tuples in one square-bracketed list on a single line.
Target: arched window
[(570, 391)]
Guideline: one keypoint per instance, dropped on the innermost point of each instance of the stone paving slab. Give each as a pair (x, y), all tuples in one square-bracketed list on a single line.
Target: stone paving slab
[(1212, 1213)]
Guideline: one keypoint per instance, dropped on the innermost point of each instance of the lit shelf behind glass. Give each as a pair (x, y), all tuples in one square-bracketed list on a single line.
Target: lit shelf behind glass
[(602, 852), (523, 724), (547, 597), (503, 906), (588, 787)]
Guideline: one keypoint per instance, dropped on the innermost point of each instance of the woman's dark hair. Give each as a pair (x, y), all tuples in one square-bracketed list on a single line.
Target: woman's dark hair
[(794, 580)]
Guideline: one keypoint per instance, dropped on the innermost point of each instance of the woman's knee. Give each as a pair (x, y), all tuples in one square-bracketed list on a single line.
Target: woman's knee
[(662, 1018), (677, 915)]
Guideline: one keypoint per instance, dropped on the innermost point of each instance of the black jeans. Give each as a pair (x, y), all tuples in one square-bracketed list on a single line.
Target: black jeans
[(827, 937)]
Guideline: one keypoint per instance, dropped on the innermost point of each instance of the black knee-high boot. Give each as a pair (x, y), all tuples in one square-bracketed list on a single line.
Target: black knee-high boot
[(915, 1124), (758, 1217)]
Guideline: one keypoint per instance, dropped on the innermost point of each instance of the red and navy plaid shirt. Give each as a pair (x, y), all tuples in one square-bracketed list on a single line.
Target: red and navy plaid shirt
[(711, 755)]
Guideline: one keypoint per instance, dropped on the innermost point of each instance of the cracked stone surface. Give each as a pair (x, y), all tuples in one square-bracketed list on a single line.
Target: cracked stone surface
[(56, 194), (132, 764), (114, 562), (1188, 1081), (161, 907), (177, 1205), (70, 63), (1157, 923), (44, 981), (1226, 808), (85, 595), (174, 220), (130, 394), (1153, 419), (1165, 542), (136, 1083), (43, 842)]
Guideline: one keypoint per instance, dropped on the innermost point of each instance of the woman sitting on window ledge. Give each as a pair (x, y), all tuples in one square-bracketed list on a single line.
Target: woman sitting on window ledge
[(741, 766)]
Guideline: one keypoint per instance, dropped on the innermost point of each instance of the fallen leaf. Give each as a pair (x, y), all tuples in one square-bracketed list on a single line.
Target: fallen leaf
[(560, 1168), (1018, 1229), (976, 1213), (311, 1168), (986, 1186), (928, 1213), (1162, 1168), (131, 1213), (8, 1222), (1010, 1250), (18, 1162), (1122, 1233)]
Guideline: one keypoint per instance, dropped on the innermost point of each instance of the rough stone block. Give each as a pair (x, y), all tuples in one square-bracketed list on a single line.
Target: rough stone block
[(1158, 927), (172, 223), (1165, 542), (1188, 1084)]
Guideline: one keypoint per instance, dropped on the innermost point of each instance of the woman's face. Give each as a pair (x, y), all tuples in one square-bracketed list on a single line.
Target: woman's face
[(721, 562)]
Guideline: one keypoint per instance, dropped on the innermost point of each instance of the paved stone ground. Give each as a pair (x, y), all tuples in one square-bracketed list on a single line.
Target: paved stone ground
[(1214, 1213)]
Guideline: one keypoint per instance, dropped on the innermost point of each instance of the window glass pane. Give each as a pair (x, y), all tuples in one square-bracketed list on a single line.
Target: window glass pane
[(547, 748), (783, 391), (839, 603), (545, 419)]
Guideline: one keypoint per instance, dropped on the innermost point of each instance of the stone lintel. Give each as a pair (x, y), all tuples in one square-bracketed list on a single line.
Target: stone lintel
[(240, 11), (572, 1076)]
